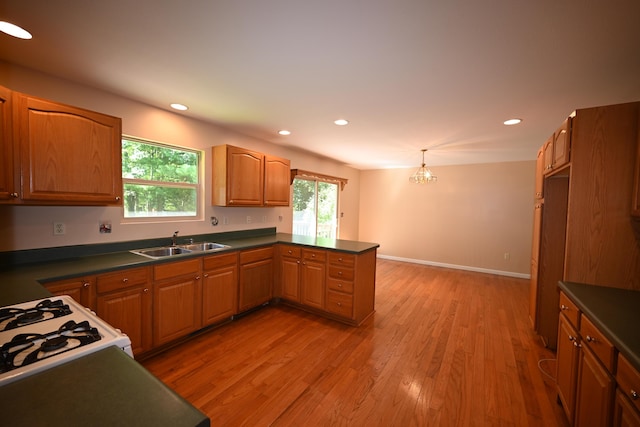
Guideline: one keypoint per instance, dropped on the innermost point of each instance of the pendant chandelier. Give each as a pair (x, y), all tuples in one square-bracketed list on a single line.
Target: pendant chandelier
[(423, 175)]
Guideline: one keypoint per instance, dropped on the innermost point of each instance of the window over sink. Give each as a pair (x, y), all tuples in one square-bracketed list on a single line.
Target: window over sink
[(160, 181)]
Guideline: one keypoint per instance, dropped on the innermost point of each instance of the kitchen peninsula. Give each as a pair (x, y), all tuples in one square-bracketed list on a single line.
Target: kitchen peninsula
[(347, 280)]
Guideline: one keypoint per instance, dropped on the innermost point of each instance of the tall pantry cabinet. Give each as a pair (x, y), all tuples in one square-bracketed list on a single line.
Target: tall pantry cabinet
[(584, 231)]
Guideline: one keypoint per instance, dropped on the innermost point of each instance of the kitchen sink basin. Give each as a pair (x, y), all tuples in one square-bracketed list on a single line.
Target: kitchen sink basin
[(170, 251), (204, 246), (162, 252)]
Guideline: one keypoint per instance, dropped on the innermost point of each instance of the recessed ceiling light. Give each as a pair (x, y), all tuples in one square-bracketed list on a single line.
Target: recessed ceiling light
[(180, 107), (341, 122), (284, 132), (14, 30), (511, 122)]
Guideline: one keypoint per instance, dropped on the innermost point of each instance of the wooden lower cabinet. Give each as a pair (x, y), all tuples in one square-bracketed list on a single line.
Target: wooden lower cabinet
[(177, 307), (567, 365), (624, 412), (288, 281), (313, 278), (594, 395), (586, 362), (627, 405), (124, 300), (256, 277), (81, 289), (219, 287)]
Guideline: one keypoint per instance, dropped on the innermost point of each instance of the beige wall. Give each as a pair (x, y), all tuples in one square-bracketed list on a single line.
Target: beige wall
[(28, 227), (470, 218)]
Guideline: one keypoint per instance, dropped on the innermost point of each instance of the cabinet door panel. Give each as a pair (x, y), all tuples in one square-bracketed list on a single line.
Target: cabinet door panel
[(174, 313), (255, 283), (219, 294), (595, 392), (276, 181), (567, 366), (313, 284), (8, 181), (68, 155), (290, 278), (129, 311)]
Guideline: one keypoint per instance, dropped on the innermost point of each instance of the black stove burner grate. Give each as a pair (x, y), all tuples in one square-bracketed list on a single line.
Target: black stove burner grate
[(13, 317), (25, 349)]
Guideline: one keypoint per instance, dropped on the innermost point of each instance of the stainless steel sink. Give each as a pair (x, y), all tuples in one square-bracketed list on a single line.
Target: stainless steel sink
[(204, 246), (170, 251), (163, 252)]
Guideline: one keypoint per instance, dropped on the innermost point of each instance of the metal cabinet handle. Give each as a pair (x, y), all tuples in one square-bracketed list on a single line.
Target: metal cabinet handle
[(564, 307), (572, 338), (589, 338), (339, 304), (86, 284), (14, 195), (145, 290), (117, 198), (339, 285), (125, 280), (634, 394), (576, 344)]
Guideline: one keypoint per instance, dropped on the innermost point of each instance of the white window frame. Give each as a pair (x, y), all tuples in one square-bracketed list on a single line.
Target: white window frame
[(198, 186)]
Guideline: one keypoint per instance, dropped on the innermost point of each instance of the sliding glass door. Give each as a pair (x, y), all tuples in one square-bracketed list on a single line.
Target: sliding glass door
[(315, 208)]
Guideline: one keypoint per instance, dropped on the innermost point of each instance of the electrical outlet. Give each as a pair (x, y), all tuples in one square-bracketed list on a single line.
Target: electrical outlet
[(248, 219), (59, 228), (225, 220), (507, 256), (264, 218)]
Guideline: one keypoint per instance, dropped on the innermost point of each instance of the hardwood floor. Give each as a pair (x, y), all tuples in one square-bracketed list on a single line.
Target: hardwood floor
[(445, 347)]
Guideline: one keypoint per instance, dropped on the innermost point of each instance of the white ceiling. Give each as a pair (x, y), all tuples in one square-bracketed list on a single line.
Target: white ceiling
[(407, 74)]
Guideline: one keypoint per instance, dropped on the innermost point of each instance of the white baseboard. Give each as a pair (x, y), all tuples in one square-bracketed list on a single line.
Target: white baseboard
[(457, 267)]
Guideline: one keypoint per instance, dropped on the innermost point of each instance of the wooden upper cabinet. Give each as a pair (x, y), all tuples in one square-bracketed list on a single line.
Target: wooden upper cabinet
[(540, 174), (276, 181), (558, 148), (67, 155), (8, 179), (243, 177)]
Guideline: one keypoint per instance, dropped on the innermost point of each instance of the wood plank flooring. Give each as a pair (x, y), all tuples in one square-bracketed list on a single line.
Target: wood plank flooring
[(445, 347)]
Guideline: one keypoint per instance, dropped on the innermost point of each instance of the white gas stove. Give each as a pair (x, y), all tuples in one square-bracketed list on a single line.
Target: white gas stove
[(41, 334)]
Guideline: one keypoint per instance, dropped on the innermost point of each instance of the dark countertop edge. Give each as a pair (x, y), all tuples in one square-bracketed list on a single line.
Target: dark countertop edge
[(23, 282), (615, 312), (125, 392)]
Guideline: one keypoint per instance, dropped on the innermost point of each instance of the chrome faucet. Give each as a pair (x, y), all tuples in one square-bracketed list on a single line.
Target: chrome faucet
[(174, 238)]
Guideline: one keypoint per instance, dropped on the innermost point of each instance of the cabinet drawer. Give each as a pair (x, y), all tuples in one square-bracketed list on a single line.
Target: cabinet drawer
[(215, 261), (569, 309), (341, 258), (339, 303), (340, 285), (628, 381), (253, 255), (597, 342), (314, 255), (122, 279), (176, 269), (292, 251), (340, 272)]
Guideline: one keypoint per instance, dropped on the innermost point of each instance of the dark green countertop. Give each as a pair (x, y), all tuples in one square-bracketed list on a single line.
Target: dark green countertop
[(108, 387), (105, 388), (615, 312), (23, 282)]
